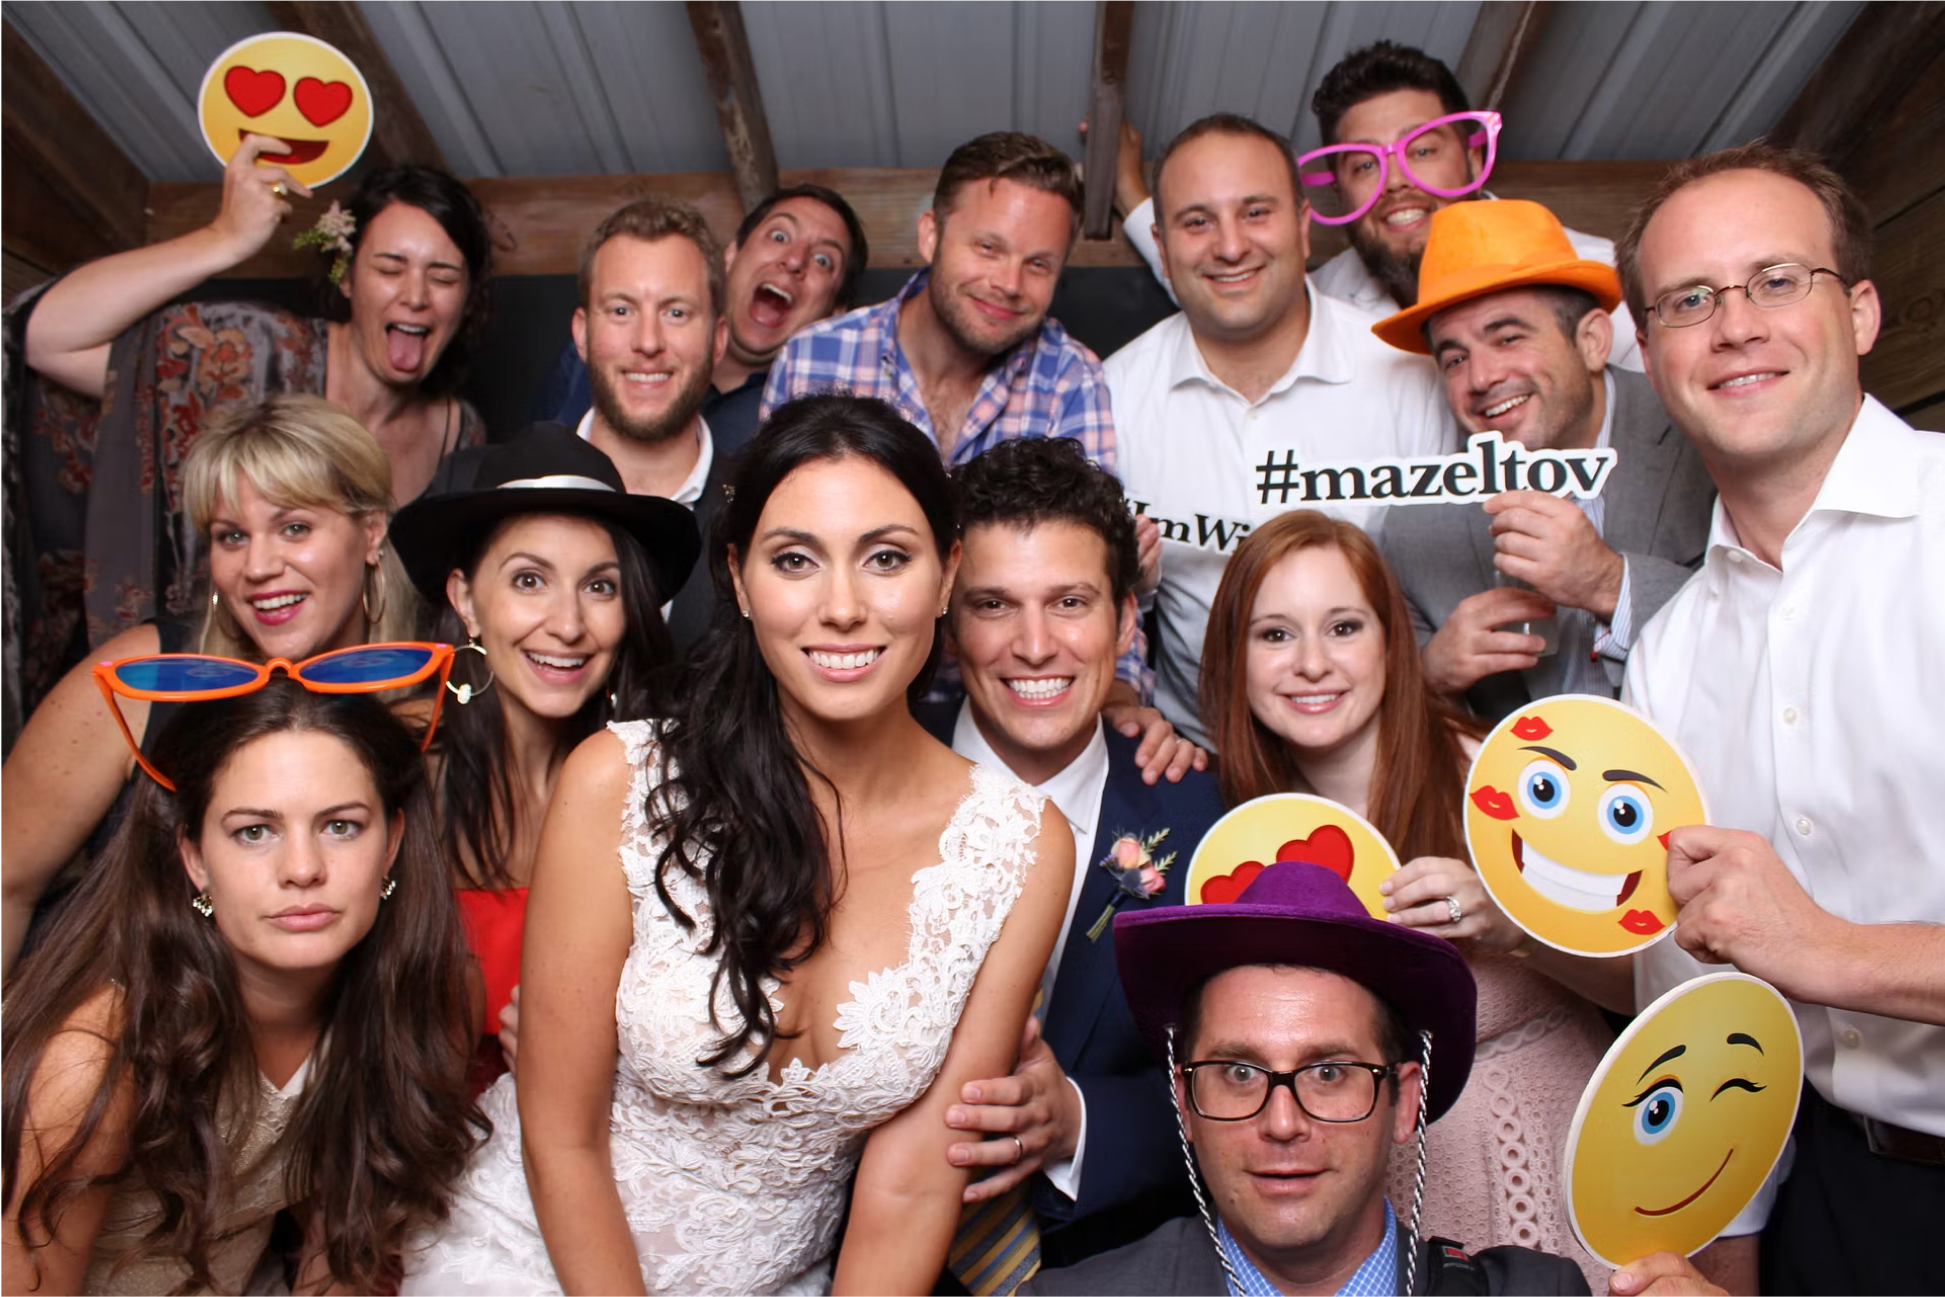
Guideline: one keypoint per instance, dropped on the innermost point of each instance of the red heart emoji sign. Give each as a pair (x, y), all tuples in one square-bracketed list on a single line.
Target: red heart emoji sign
[(255, 93), (1225, 888), (1327, 845), (322, 102)]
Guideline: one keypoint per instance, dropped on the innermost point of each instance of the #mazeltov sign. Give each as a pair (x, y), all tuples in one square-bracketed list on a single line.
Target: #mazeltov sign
[(1488, 465)]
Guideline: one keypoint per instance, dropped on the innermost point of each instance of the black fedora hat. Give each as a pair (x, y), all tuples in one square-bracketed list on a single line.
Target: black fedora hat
[(1306, 915), (544, 470)]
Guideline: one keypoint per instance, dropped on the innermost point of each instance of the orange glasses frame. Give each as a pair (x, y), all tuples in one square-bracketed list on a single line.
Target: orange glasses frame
[(439, 663)]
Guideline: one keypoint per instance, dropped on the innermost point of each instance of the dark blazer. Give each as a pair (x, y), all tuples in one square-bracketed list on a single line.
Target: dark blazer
[(1179, 1259), (695, 603), (1132, 1174), (1659, 501)]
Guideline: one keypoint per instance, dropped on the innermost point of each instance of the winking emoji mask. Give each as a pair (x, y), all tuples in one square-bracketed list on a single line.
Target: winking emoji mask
[(1568, 808)]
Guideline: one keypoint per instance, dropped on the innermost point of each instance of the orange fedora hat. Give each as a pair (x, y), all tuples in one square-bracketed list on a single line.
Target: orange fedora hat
[(1482, 247)]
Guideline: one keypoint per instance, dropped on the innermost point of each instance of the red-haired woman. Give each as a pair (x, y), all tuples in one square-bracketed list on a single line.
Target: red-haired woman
[(1311, 683)]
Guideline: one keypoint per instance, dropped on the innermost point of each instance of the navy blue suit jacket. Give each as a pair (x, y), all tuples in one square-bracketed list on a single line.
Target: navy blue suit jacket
[(1132, 1174)]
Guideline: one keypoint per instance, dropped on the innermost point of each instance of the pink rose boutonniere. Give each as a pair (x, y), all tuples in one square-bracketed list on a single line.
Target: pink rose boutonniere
[(1137, 874)]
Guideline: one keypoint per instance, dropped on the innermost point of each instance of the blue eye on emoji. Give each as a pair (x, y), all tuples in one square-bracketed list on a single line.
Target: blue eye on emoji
[(1543, 789), (1657, 1111), (1625, 815)]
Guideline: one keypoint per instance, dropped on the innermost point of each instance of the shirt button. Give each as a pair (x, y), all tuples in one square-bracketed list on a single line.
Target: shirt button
[(1735, 556), (1789, 715), (1852, 1038), (1788, 612), (1803, 825)]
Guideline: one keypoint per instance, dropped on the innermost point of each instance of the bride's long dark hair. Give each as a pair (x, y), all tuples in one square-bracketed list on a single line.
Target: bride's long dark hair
[(736, 792), (384, 1127)]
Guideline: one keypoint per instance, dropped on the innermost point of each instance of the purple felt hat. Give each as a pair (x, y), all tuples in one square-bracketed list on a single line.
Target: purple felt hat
[(1304, 915)]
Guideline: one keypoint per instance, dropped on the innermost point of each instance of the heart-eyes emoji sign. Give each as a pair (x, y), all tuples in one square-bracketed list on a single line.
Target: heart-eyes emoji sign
[(1283, 827), (293, 88)]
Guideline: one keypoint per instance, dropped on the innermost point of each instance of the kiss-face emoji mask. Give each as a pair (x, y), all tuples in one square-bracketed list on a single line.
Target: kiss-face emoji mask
[(1289, 826), (293, 88), (1684, 1119), (1568, 808)]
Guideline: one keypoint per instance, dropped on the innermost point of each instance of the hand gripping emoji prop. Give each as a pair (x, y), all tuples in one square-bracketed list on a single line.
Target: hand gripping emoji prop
[(1290, 826), (293, 88), (1684, 1119), (1568, 808)]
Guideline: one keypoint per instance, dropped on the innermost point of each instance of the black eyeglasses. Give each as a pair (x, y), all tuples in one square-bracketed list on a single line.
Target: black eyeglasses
[(1775, 286), (1225, 1090)]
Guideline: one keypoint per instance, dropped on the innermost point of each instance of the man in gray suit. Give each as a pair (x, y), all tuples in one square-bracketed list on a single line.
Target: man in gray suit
[(1531, 594)]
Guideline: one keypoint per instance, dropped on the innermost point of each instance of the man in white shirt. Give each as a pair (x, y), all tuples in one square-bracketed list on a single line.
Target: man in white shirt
[(1216, 406), (651, 329), (1797, 669), (1043, 603)]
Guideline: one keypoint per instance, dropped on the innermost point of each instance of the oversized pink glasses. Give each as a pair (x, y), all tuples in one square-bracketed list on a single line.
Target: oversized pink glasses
[(1328, 174)]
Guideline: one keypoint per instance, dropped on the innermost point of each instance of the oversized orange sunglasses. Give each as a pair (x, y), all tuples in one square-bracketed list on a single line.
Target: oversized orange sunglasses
[(198, 677)]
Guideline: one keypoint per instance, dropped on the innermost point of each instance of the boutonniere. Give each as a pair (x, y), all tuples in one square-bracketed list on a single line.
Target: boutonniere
[(1137, 874)]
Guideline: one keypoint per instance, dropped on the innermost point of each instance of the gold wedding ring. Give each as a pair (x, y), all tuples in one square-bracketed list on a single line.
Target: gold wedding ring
[(278, 188)]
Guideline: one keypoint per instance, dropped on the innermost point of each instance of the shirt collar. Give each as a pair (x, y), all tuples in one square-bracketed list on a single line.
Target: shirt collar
[(1323, 355), (1875, 473), (691, 489), (1076, 790), (1010, 366), (1606, 435), (1378, 1274)]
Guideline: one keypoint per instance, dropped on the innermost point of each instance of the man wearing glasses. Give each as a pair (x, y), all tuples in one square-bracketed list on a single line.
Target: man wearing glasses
[(1797, 670), (1293, 1083)]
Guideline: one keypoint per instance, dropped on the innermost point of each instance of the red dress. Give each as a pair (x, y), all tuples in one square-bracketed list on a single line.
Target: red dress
[(495, 922)]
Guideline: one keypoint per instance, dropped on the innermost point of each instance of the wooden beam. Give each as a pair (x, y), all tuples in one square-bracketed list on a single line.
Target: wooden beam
[(1904, 367), (1862, 80), (72, 194), (1114, 25), (725, 49), (398, 133), (547, 217), (1502, 36)]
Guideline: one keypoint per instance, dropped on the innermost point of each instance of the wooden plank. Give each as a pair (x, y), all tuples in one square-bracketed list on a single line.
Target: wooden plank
[(17, 274), (1503, 34), (1907, 365), (1903, 162), (399, 133), (725, 49), (1114, 25), (72, 193), (547, 217), (1862, 80)]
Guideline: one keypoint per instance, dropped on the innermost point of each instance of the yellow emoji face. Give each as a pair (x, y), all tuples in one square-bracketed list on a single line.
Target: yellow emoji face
[(293, 88), (1568, 808), (1684, 1119), (1289, 826)]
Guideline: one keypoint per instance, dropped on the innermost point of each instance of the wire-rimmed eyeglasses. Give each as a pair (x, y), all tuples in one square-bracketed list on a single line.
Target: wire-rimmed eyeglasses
[(1325, 172), (1770, 287), (1226, 1090)]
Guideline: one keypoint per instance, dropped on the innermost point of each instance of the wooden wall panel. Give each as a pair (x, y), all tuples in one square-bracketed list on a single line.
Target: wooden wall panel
[(1907, 366)]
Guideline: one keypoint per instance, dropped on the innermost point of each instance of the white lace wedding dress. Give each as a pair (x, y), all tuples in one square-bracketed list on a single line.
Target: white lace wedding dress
[(738, 1185)]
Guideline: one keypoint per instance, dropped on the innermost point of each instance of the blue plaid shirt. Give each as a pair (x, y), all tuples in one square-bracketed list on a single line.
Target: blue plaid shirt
[(1048, 386), (1378, 1275)]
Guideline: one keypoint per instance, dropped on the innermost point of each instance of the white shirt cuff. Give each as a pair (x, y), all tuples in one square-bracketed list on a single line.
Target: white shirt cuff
[(1139, 226), (1615, 638), (1066, 1176)]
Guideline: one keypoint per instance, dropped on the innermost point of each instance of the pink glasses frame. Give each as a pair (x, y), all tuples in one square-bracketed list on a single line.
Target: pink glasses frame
[(1487, 138)]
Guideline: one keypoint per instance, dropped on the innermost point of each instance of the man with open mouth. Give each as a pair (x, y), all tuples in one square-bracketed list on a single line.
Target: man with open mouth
[(1518, 325)]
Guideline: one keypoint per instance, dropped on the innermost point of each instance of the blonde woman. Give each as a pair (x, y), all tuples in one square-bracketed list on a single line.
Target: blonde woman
[(292, 497)]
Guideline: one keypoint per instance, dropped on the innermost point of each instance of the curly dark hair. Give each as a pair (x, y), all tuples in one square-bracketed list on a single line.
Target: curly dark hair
[(384, 1127), (1379, 69), (447, 200), (1033, 480), (735, 790)]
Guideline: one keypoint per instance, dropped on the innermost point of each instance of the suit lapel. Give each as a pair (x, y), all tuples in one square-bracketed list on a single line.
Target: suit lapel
[(1645, 444), (1087, 967)]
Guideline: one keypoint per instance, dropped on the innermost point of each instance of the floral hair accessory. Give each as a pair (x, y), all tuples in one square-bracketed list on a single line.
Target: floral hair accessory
[(1137, 874), (332, 233)]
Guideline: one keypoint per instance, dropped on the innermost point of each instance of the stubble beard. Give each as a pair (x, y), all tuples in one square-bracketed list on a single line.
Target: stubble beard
[(955, 317), (652, 429), (1398, 272)]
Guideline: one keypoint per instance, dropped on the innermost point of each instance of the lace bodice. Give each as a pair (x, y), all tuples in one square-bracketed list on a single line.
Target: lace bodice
[(738, 1184)]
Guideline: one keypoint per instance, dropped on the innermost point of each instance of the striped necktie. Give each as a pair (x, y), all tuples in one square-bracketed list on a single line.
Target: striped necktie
[(997, 1245)]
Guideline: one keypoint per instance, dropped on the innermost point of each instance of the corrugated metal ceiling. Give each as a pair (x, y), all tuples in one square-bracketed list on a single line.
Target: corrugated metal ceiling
[(526, 88)]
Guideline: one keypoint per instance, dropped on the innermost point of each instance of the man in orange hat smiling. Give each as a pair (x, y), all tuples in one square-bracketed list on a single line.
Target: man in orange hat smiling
[(1531, 594)]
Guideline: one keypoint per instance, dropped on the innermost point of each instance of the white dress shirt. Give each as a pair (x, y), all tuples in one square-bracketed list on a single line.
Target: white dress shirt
[(1809, 701), (1344, 276), (1190, 448), (1076, 793)]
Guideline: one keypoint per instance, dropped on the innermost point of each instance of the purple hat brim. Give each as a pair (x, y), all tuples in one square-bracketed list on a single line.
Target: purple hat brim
[(1162, 953)]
